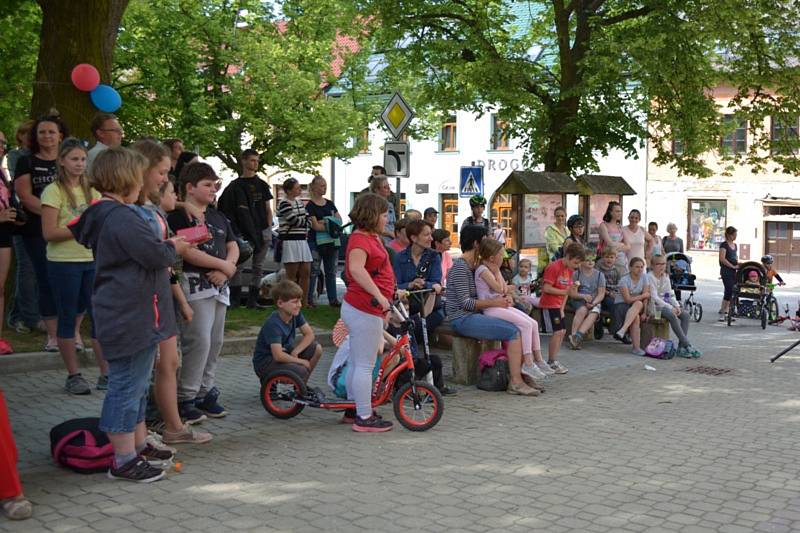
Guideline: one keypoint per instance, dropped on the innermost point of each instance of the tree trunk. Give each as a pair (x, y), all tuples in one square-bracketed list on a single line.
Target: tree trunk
[(73, 33)]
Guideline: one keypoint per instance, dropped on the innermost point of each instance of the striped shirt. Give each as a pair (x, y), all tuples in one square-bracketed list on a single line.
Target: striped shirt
[(293, 220), (460, 292)]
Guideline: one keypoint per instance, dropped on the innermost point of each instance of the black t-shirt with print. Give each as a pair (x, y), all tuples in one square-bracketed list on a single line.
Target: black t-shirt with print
[(219, 228), (42, 173), (319, 212)]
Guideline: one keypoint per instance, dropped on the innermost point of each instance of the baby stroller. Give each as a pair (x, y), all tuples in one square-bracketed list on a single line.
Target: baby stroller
[(751, 293), (679, 266)]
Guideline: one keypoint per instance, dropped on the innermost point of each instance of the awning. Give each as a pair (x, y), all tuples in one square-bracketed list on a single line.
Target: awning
[(530, 182), (589, 184)]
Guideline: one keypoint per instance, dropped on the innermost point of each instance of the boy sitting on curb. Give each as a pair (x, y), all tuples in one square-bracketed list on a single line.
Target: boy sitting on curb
[(275, 346)]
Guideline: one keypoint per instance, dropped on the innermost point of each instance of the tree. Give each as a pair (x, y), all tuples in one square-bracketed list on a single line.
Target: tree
[(21, 22), (222, 75), (73, 33), (577, 78)]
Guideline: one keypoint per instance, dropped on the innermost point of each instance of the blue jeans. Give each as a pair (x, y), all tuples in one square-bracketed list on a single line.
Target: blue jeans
[(24, 308), (479, 326), (37, 251), (126, 399), (72, 290), (328, 256)]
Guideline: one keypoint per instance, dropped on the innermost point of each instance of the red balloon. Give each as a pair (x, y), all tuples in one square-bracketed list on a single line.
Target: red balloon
[(85, 77)]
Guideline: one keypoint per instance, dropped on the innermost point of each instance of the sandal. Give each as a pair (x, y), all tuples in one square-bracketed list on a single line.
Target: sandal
[(17, 509)]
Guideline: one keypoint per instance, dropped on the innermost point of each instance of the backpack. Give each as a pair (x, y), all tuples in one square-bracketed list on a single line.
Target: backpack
[(79, 445), (494, 374), (660, 348)]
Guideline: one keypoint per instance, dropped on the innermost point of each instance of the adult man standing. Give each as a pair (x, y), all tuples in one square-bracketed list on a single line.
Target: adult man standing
[(107, 132), (380, 186), (246, 203), (430, 216)]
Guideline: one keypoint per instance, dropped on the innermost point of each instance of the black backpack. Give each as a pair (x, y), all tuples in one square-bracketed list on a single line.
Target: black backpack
[(496, 377)]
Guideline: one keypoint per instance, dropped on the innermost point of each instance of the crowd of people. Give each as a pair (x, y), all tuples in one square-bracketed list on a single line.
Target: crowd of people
[(90, 225)]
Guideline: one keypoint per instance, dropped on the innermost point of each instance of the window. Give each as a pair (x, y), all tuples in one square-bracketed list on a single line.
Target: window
[(707, 221), (784, 132), (734, 142), (499, 140), (677, 146), (447, 139)]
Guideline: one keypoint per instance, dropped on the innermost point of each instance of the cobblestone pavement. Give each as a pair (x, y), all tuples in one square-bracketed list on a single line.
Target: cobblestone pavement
[(611, 446)]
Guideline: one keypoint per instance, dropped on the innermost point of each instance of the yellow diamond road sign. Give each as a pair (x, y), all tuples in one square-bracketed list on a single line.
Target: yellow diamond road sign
[(396, 115)]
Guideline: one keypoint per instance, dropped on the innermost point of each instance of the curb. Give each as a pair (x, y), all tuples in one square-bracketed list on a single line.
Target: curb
[(34, 361)]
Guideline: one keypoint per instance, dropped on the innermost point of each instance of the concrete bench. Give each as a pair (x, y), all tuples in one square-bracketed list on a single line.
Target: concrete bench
[(466, 351), (654, 327)]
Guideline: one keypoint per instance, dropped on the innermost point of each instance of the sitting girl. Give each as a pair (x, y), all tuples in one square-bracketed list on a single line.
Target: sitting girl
[(661, 300), (491, 285), (629, 306), (586, 295)]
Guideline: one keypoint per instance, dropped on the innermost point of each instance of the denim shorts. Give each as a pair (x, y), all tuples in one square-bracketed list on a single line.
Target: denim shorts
[(71, 285), (126, 399), (480, 326)]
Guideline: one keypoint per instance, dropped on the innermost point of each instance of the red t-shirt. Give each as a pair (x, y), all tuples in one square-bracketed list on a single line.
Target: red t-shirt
[(559, 275), (378, 267)]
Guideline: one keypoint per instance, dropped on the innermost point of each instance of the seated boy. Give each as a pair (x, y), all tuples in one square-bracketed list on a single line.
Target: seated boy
[(275, 347)]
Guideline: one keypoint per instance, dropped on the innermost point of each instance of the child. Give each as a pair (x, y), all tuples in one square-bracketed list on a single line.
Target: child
[(157, 197), (206, 271), (767, 262), (612, 273), (630, 305), (132, 306), (556, 281), (522, 281), (588, 292), (70, 266), (490, 285), (662, 302), (276, 347)]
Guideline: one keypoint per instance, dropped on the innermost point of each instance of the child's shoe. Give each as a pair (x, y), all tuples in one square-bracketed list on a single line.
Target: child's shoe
[(138, 470), (558, 368), (575, 341), (157, 457), (76, 384), (545, 368), (189, 413), (533, 371), (373, 424), (209, 404)]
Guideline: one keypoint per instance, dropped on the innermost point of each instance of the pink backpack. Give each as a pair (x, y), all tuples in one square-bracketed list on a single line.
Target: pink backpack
[(660, 348), (79, 445), (490, 357)]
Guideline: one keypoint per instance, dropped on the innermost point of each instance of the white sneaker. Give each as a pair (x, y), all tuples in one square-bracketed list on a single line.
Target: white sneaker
[(558, 368), (533, 371), (545, 369), (154, 440)]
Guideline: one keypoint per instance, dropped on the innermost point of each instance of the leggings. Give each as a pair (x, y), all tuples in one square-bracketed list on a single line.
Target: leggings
[(366, 334), (528, 327), (728, 281), (680, 325)]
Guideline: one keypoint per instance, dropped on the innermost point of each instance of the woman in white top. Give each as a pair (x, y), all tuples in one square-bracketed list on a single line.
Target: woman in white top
[(635, 236)]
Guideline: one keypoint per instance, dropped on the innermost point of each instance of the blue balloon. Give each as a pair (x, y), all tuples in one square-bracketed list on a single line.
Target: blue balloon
[(106, 98)]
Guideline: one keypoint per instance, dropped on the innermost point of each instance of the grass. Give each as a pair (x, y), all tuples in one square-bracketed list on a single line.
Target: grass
[(239, 322)]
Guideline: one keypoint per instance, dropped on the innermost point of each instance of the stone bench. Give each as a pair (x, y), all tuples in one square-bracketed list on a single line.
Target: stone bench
[(654, 327), (466, 351)]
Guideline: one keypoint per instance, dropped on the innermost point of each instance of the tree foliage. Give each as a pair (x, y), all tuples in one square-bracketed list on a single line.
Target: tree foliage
[(20, 21), (578, 78), (224, 74)]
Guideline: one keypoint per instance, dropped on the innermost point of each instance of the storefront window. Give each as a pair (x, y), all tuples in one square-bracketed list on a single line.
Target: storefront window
[(707, 221)]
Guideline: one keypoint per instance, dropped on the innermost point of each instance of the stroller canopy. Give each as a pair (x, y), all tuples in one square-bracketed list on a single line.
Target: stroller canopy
[(744, 269)]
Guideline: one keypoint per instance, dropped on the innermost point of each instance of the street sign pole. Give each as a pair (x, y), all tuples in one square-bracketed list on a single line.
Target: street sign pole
[(396, 155)]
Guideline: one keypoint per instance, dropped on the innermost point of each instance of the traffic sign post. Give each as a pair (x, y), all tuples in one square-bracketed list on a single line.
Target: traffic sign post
[(470, 182), (396, 159)]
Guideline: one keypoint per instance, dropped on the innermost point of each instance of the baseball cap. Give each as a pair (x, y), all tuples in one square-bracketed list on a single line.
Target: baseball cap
[(430, 211)]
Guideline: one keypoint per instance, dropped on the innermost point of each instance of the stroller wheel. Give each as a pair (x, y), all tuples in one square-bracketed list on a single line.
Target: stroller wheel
[(697, 312)]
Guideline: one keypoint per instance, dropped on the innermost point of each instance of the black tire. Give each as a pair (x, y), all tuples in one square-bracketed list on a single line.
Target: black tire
[(431, 406), (697, 312), (772, 309), (278, 389), (764, 317)]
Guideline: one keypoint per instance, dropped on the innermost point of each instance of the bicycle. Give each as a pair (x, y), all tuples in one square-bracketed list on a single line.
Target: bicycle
[(417, 405)]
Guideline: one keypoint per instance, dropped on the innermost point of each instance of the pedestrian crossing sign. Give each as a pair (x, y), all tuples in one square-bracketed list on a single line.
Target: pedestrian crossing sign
[(471, 182)]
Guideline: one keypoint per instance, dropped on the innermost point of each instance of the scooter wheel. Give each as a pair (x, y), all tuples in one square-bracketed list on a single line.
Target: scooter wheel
[(431, 406), (279, 390)]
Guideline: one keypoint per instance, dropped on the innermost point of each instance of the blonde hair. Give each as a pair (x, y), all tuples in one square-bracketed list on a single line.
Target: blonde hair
[(488, 248), (67, 146), (118, 171), (525, 261), (155, 152)]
